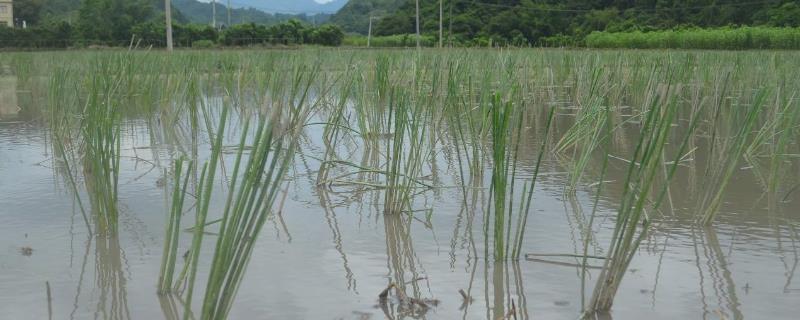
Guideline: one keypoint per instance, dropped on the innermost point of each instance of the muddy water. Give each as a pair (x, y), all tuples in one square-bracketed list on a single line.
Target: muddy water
[(330, 253)]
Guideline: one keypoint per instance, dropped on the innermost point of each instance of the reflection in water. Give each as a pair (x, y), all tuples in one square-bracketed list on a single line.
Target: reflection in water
[(9, 107), (400, 252), (75, 302), (505, 304), (333, 224), (723, 286), (110, 279), (499, 294), (402, 261), (169, 306), (790, 270)]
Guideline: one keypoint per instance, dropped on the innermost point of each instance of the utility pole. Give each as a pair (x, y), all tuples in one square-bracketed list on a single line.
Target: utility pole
[(168, 13), (417, 24), (450, 25), (369, 31), (214, 14), (229, 13), (441, 17)]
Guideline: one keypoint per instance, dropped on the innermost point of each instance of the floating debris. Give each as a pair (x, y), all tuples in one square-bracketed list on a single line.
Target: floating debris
[(406, 305), (385, 293), (466, 299), (561, 303), (26, 251), (362, 315)]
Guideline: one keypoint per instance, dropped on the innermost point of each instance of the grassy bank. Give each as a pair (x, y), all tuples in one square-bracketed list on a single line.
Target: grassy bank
[(393, 41), (723, 38)]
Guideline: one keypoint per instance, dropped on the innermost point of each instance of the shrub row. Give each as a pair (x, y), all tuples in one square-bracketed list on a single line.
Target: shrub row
[(398, 40), (731, 38), (65, 35)]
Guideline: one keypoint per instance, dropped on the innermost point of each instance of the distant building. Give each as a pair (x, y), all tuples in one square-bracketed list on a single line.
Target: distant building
[(6, 13)]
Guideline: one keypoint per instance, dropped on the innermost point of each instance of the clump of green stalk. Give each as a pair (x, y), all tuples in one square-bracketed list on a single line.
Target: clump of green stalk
[(169, 256), (733, 150), (584, 137), (632, 221), (252, 192), (773, 140), (246, 211), (335, 130), (204, 191), (100, 131), (59, 120), (406, 150), (97, 144), (504, 177), (501, 129)]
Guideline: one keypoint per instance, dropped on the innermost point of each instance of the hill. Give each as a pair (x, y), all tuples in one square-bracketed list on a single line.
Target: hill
[(200, 12), (289, 6), (184, 11), (354, 16), (57, 10)]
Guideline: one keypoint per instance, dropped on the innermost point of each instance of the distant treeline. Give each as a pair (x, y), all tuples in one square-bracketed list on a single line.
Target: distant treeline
[(153, 33), (696, 38), (396, 41), (137, 22), (556, 22)]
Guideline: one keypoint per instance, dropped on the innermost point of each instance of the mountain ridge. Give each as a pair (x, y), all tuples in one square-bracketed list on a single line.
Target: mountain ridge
[(354, 16), (200, 12), (287, 6)]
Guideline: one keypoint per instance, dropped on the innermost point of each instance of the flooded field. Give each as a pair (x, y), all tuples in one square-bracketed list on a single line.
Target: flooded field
[(396, 184)]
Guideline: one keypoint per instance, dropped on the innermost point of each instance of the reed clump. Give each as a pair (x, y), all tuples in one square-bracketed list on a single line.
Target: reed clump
[(642, 193)]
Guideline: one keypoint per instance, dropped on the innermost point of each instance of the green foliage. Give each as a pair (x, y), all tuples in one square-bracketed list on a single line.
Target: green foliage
[(203, 44), (242, 34), (787, 15), (153, 33), (28, 11), (354, 16), (109, 20), (643, 192), (695, 38), (183, 35), (327, 35), (50, 35), (169, 255), (398, 40), (549, 23), (288, 33)]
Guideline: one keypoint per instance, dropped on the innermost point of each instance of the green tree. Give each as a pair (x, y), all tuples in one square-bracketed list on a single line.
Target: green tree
[(327, 35), (787, 15), (28, 10), (111, 20), (509, 21), (93, 24)]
